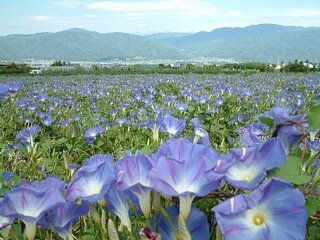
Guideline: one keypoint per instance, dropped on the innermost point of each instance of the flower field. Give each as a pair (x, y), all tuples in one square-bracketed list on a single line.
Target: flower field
[(160, 157)]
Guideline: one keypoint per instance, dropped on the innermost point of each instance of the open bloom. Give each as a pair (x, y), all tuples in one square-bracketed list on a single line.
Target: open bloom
[(290, 135), (201, 135), (29, 206), (92, 133), (3, 89), (25, 136), (92, 180), (196, 224), (4, 221), (43, 185), (45, 118), (64, 216), (172, 125), (15, 87), (117, 203), (275, 210), (252, 162), (185, 170), (132, 176), (155, 126)]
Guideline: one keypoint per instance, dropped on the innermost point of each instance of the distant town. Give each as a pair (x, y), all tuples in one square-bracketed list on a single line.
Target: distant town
[(34, 66)]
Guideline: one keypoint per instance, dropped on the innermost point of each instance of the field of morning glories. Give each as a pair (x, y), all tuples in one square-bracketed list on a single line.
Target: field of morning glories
[(160, 157)]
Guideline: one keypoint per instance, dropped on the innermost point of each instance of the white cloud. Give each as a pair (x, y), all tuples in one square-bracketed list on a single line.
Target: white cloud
[(64, 4), (91, 16), (234, 13), (40, 18), (304, 13), (174, 7)]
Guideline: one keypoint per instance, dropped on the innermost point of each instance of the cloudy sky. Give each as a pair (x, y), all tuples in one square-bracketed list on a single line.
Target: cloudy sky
[(142, 16)]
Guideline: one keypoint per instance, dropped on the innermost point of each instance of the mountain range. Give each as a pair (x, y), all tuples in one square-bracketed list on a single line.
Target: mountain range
[(264, 43)]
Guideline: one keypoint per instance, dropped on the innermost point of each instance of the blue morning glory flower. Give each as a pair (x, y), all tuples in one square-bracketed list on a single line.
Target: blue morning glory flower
[(92, 133), (15, 87), (252, 162), (172, 125), (275, 210), (132, 176), (117, 203), (30, 206), (196, 223), (4, 221), (43, 185), (45, 118), (185, 170), (3, 89), (25, 136), (92, 180), (64, 216)]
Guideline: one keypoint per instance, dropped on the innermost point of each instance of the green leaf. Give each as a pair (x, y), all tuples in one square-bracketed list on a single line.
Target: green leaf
[(191, 108), (290, 171), (100, 143), (147, 149), (312, 206), (314, 118), (267, 120), (313, 232), (16, 232)]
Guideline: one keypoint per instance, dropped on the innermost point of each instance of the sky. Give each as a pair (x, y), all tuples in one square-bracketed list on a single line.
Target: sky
[(146, 17)]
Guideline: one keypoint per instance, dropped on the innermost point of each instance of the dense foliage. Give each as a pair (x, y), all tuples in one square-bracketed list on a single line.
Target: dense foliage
[(234, 68), (190, 156), (14, 69)]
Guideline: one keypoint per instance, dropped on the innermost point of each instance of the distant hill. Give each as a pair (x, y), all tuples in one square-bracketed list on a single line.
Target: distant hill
[(80, 44), (167, 36), (264, 42)]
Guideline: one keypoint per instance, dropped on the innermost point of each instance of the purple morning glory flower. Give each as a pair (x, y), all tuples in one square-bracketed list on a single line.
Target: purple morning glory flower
[(252, 162), (4, 221), (64, 216), (132, 176), (92, 133), (290, 137), (201, 135), (113, 112), (30, 206), (238, 118), (3, 89), (196, 223), (203, 98), (73, 167), (117, 203), (181, 107), (6, 176), (155, 126), (45, 118), (14, 87), (121, 121), (185, 170), (289, 133), (314, 146), (44, 185), (172, 125), (219, 101), (92, 180), (25, 136), (275, 210), (251, 134)]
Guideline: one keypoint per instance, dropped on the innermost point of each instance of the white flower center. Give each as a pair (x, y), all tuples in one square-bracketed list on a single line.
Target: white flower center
[(242, 172)]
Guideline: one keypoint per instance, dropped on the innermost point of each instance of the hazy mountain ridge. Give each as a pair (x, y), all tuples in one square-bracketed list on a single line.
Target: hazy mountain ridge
[(264, 42), (75, 44)]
